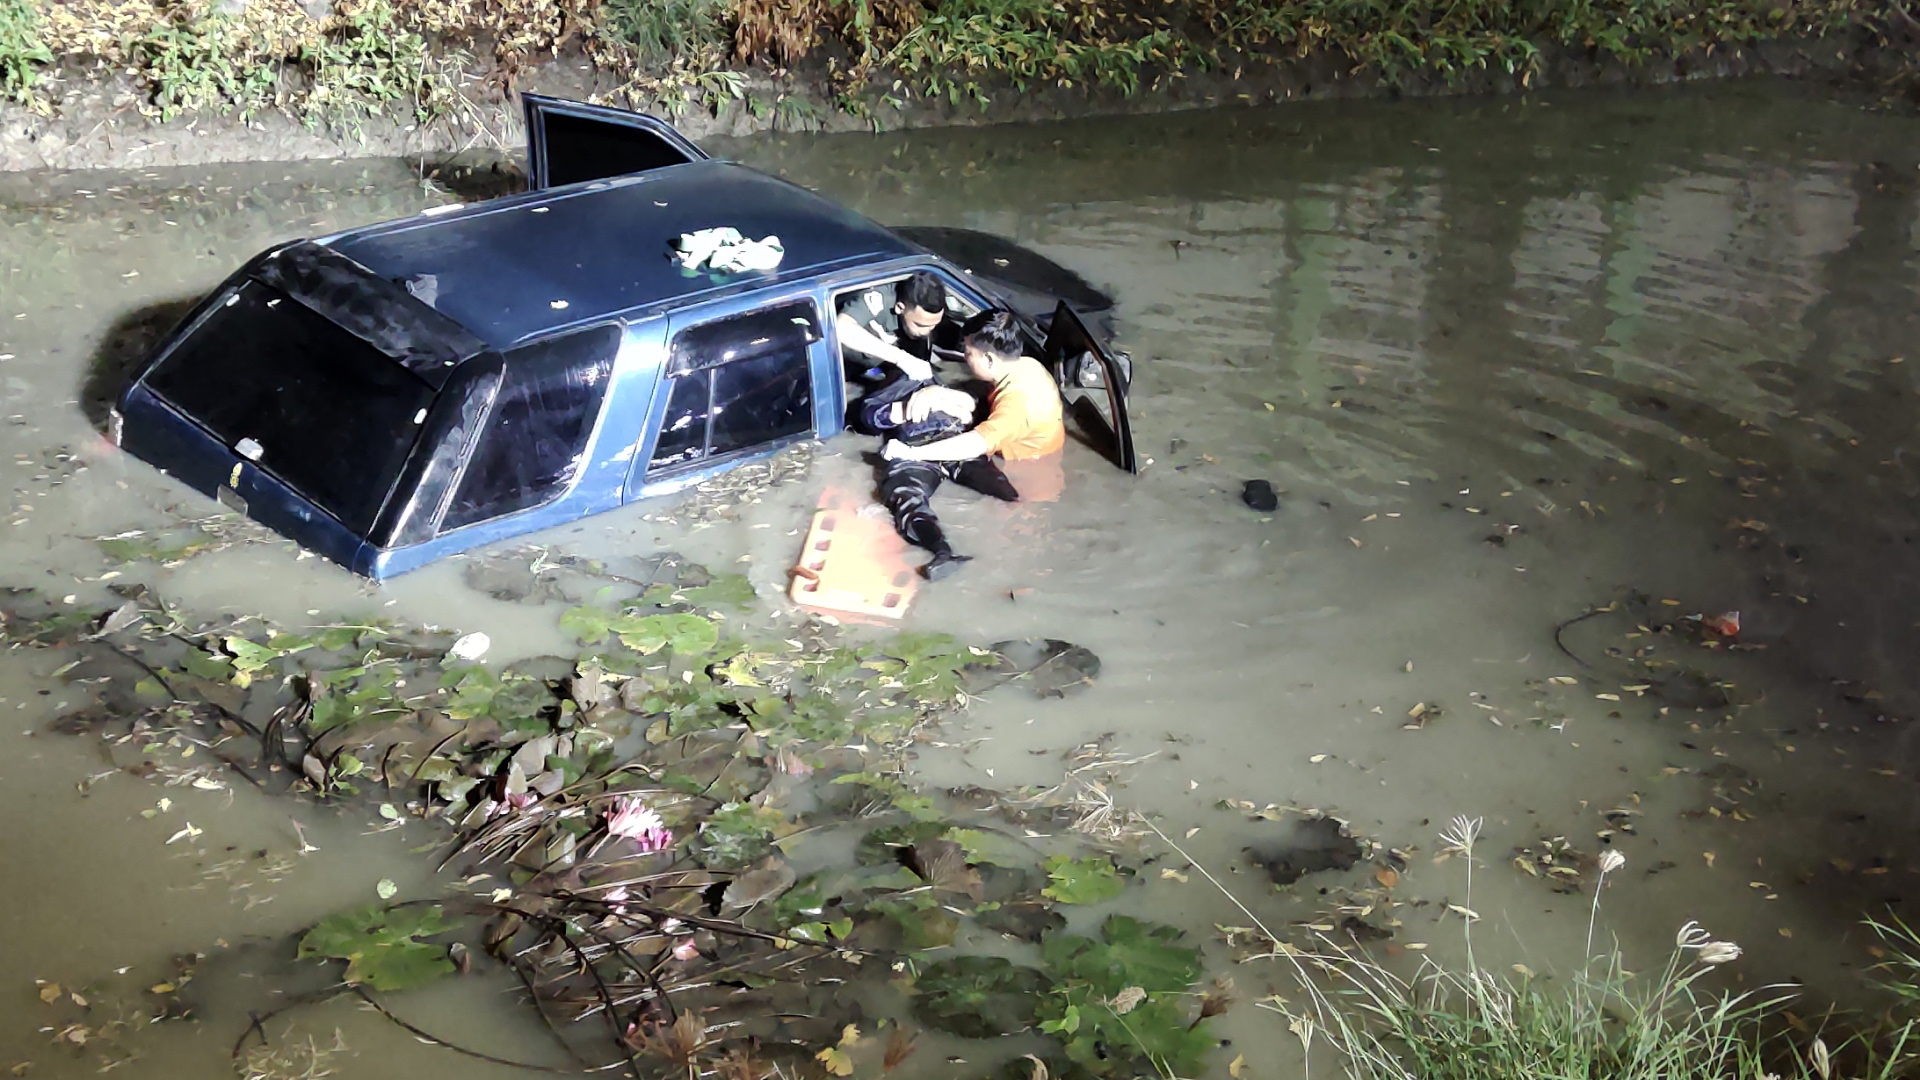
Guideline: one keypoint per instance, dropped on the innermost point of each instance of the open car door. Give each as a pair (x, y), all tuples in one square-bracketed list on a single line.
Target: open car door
[(568, 142), (1094, 387)]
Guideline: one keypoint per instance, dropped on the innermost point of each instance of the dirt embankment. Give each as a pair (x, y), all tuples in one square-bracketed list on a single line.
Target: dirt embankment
[(84, 120)]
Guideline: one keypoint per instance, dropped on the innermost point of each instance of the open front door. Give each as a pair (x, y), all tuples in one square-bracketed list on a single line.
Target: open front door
[(1094, 387), (568, 142)]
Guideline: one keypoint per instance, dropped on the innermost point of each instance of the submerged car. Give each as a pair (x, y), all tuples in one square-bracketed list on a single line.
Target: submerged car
[(394, 394)]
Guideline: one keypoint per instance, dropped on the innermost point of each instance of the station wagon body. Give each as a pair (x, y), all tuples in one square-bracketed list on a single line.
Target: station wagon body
[(395, 394)]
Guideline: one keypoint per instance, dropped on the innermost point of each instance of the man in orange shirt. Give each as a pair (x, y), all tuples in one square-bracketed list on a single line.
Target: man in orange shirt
[(1024, 422)]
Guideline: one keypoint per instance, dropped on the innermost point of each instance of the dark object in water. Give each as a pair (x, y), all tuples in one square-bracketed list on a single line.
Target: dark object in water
[(1260, 495), (1316, 844), (1049, 667)]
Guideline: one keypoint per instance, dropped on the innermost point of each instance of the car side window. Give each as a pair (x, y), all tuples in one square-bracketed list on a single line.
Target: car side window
[(683, 433), (737, 384), (536, 435)]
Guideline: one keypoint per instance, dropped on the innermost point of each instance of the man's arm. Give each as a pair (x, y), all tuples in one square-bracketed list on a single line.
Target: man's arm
[(862, 340), (962, 447)]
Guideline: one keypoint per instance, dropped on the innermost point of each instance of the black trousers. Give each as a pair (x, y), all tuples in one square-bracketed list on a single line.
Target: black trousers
[(906, 487)]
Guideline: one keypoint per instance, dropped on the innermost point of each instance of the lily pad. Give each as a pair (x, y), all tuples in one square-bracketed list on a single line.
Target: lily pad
[(768, 879), (1129, 953), (737, 835), (26, 618), (1103, 1042), (686, 635), (1092, 880), (993, 847), (1028, 920), (884, 844), (977, 997), (726, 590), (922, 921), (381, 945)]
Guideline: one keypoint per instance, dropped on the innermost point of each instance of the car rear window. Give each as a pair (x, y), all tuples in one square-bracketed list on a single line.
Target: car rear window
[(308, 402)]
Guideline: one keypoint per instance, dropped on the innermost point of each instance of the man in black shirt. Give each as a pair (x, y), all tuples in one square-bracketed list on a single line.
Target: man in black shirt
[(895, 330)]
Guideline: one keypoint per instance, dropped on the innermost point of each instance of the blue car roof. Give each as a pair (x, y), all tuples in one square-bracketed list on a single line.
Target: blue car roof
[(520, 267)]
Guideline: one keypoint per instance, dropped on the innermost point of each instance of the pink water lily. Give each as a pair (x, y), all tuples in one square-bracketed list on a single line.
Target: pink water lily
[(615, 899), (633, 819), (685, 950)]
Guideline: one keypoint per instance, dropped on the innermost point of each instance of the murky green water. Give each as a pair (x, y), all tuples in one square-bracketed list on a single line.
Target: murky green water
[(1508, 361)]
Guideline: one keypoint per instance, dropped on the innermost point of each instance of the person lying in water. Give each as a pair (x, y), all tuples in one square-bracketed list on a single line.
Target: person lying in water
[(906, 487), (932, 441)]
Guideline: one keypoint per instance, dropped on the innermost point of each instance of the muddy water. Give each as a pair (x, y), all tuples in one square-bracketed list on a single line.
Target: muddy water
[(1507, 362)]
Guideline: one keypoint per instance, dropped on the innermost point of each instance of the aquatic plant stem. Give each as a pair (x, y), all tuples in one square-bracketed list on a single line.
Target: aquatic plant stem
[(1211, 880), (1593, 916), (429, 1037)]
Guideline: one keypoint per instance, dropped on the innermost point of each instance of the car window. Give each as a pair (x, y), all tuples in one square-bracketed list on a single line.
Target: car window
[(571, 141), (683, 433), (945, 338), (736, 384), (536, 435), (327, 414), (760, 400)]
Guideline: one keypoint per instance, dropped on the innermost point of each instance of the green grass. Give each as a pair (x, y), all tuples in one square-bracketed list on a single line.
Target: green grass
[(661, 31), (1605, 1023), (1473, 1025), (22, 50)]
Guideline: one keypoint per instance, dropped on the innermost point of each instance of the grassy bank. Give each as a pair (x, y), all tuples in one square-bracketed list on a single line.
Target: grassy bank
[(326, 60), (1604, 1021)]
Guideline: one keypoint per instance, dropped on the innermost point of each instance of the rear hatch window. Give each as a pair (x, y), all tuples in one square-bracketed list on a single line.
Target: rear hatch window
[(323, 411)]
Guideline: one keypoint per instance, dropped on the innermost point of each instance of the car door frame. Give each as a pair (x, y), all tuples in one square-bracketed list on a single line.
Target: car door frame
[(1066, 323), (822, 366), (536, 107)]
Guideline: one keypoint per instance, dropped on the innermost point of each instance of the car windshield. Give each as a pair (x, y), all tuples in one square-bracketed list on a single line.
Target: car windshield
[(327, 414)]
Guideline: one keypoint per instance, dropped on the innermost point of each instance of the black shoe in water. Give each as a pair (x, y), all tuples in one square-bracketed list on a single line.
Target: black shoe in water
[(941, 565)]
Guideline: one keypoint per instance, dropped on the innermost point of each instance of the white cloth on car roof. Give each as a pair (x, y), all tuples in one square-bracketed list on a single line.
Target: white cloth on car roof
[(725, 250)]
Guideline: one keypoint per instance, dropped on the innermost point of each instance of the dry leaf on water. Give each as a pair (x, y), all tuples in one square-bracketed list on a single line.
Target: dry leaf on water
[(900, 1047), (1218, 998), (1387, 876), (769, 878), (943, 865)]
